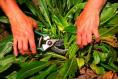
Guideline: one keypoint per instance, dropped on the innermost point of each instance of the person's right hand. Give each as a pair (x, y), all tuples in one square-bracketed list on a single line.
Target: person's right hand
[(87, 25), (23, 36)]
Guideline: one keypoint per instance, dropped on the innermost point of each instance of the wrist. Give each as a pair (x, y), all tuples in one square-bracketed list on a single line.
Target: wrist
[(91, 11), (95, 5), (10, 8)]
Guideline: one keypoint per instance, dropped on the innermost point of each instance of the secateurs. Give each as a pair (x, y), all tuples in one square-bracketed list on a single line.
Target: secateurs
[(45, 43)]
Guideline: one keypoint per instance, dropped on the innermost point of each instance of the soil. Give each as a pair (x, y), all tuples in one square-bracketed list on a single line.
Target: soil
[(87, 73)]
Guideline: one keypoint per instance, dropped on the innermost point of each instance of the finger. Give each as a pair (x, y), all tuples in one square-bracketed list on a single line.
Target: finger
[(76, 21), (89, 37), (25, 45), (78, 39), (96, 34), (15, 47), (84, 39), (35, 25), (32, 45), (28, 52), (20, 47)]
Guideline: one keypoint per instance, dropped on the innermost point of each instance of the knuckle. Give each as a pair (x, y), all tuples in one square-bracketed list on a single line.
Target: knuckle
[(25, 49)]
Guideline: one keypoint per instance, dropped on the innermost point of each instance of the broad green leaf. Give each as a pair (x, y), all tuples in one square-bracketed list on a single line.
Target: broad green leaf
[(5, 46), (52, 75), (103, 48), (68, 69), (32, 8), (96, 57), (12, 75), (98, 70), (44, 10), (6, 62), (4, 19), (75, 8), (115, 5), (56, 55), (6, 49), (46, 72), (107, 32), (71, 40), (58, 23), (103, 56), (89, 55), (70, 29), (109, 67), (80, 62), (70, 3), (73, 50), (46, 58), (112, 55), (114, 66), (107, 14), (35, 11), (113, 21), (29, 69)]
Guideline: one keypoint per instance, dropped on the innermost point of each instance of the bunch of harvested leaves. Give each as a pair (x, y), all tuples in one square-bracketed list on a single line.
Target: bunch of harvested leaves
[(56, 18)]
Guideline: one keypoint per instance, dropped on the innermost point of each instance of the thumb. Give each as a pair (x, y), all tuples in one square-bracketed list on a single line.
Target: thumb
[(35, 25)]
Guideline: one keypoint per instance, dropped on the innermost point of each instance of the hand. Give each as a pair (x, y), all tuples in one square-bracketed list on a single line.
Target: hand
[(22, 28), (87, 25)]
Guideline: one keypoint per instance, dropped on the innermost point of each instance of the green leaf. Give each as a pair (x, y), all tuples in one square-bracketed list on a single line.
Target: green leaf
[(72, 50), (102, 47), (5, 46), (6, 49), (107, 66), (107, 14), (56, 55), (114, 21), (98, 70), (74, 9), (36, 11), (58, 23), (44, 10), (114, 66), (12, 75), (4, 19), (115, 5), (29, 69), (68, 69), (6, 62), (103, 56), (96, 57), (71, 29), (46, 58), (32, 8), (80, 62), (107, 32), (52, 75), (46, 72)]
